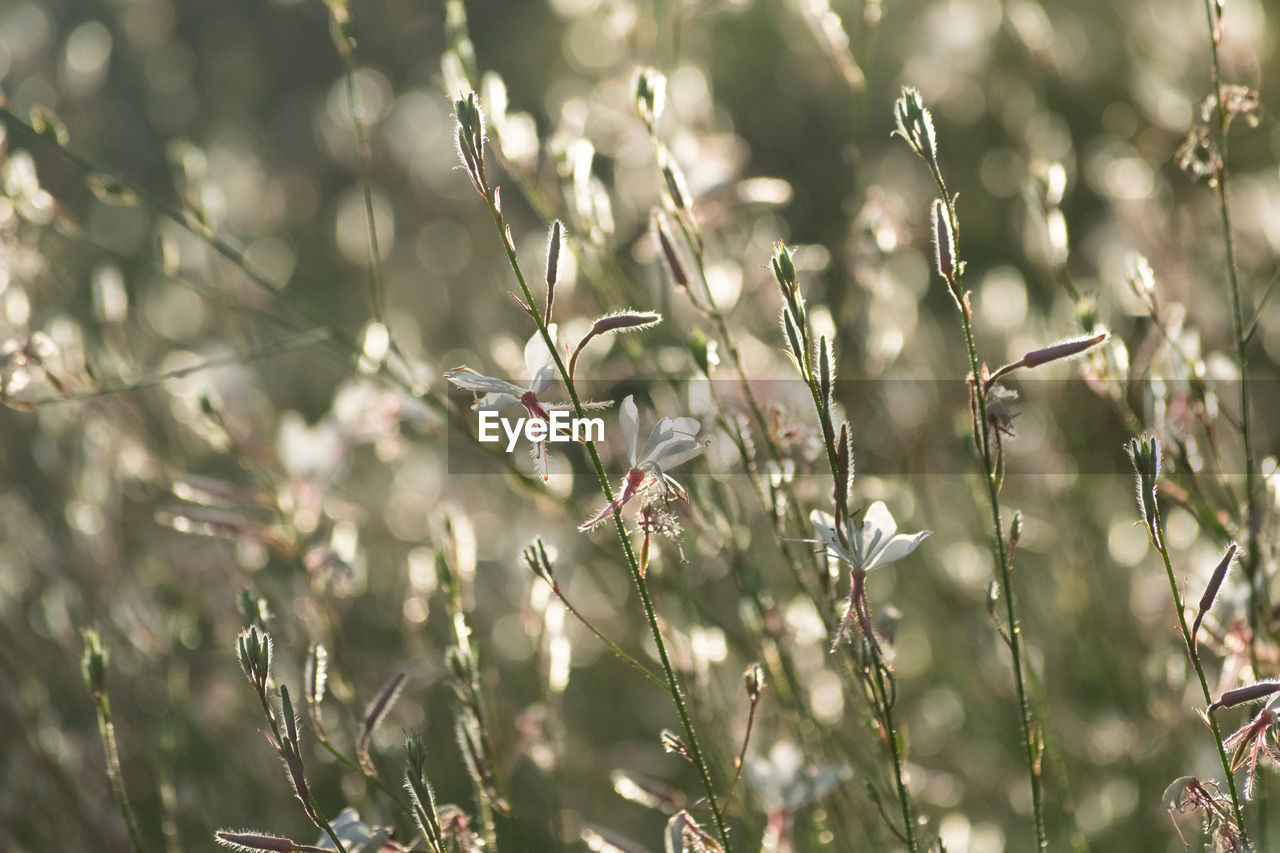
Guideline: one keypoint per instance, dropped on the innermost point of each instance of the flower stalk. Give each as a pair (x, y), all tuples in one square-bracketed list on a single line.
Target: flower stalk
[(471, 136), (915, 125), (1145, 454)]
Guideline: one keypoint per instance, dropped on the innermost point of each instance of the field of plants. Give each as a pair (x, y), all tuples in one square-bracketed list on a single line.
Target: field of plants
[(639, 425)]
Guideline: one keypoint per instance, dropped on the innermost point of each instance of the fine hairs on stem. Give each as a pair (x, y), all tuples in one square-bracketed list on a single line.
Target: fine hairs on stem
[(1144, 453), (471, 135), (915, 126), (242, 276), (819, 378)]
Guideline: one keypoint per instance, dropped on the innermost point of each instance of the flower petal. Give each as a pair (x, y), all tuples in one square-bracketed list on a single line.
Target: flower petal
[(629, 421), (465, 377), (878, 527), (825, 526), (897, 548), (672, 442), (538, 361)]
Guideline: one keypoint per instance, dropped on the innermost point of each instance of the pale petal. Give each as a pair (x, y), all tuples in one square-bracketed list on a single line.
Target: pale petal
[(897, 548), (541, 380), (465, 377), (825, 526), (878, 527), (629, 422), (495, 402), (538, 361), (672, 442)]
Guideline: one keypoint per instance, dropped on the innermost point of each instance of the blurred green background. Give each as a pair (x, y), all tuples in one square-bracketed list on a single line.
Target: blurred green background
[(328, 488)]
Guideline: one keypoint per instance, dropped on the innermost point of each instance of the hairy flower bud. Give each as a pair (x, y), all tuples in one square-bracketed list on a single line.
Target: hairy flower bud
[(1211, 591), (1244, 695), (1144, 453), (784, 269), (470, 118), (915, 125)]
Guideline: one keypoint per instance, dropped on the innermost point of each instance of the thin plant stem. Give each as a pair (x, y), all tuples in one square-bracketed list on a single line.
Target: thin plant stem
[(345, 45), (617, 650), (1194, 654), (673, 683), (883, 705), (988, 460), (107, 732), (1252, 509), (309, 805), (1237, 313), (895, 748)]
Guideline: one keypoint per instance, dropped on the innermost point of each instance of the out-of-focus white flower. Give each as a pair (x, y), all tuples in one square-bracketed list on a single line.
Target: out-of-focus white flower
[(357, 836), (783, 782)]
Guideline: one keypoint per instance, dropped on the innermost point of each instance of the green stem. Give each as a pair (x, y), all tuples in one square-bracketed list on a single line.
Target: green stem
[(610, 644), (895, 749), (673, 683), (1194, 655), (1252, 509), (883, 704), (982, 437), (107, 731)]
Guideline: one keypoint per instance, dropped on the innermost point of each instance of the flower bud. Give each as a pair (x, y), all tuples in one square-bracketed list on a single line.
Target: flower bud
[(626, 321), (254, 841), (1063, 349), (753, 678), (1144, 453), (254, 651), (1244, 695), (94, 663), (471, 139), (650, 90), (415, 752), (915, 125), (1211, 591), (669, 254), (674, 179), (784, 269)]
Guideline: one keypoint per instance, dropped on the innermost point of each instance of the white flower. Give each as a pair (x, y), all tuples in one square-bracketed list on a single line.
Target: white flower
[(876, 543), (357, 836), (672, 442), (500, 394)]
